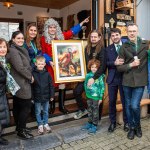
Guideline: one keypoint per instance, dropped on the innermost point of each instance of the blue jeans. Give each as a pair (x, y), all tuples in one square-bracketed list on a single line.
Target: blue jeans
[(41, 120), (133, 96)]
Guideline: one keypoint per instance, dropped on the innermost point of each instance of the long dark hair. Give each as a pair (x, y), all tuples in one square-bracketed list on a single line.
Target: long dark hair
[(99, 45), (14, 34), (36, 39)]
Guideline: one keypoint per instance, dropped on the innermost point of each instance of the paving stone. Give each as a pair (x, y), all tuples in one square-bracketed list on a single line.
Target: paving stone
[(65, 146)]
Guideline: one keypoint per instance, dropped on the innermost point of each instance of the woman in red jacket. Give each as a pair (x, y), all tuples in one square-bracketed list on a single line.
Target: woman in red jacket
[(52, 31)]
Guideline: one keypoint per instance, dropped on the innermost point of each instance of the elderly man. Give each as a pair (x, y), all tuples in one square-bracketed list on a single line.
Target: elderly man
[(135, 77)]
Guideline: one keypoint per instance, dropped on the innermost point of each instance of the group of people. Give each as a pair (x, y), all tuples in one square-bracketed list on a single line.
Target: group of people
[(31, 67)]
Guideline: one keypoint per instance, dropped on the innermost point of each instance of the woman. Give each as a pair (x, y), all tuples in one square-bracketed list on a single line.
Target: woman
[(21, 71), (4, 111), (32, 44), (52, 31)]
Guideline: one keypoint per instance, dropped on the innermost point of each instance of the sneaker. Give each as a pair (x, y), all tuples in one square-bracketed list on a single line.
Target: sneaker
[(86, 126), (40, 129), (92, 130), (80, 114), (47, 128)]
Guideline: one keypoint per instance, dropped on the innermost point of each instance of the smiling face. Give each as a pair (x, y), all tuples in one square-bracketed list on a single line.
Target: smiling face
[(19, 39), (93, 68), (3, 49), (115, 37), (94, 38), (32, 32), (132, 33), (52, 30), (40, 64)]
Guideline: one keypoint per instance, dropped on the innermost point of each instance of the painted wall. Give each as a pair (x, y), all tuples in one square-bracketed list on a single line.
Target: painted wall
[(74, 9), (143, 18)]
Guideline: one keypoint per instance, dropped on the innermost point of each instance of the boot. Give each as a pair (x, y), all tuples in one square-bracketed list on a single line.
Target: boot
[(61, 100), (131, 133), (138, 131), (24, 135)]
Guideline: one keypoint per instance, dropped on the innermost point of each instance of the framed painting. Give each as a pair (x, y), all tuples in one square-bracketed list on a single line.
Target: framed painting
[(69, 61)]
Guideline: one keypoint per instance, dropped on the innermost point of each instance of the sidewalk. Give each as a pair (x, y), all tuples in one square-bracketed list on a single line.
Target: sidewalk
[(68, 136)]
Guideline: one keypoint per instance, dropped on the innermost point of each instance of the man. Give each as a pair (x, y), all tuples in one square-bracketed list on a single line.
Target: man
[(94, 49), (52, 31), (134, 78), (114, 79)]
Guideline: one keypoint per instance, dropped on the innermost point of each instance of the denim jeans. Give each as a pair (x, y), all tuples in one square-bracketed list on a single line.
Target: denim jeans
[(133, 96), (42, 118)]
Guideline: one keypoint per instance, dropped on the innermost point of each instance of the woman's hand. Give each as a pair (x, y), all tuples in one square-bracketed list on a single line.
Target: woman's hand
[(32, 79), (99, 102)]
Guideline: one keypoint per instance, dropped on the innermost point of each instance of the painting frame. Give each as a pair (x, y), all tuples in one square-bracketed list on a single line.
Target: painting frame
[(69, 61)]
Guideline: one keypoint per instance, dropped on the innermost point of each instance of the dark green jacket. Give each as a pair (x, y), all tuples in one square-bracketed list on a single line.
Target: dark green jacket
[(137, 76)]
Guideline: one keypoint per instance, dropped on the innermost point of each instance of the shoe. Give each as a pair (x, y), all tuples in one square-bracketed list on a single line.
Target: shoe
[(93, 129), (138, 132), (126, 127), (24, 135), (40, 129), (80, 114), (47, 128), (86, 126), (64, 111), (3, 141), (112, 127), (131, 134)]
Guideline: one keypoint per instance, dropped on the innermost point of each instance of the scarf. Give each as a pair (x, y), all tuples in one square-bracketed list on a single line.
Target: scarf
[(11, 84)]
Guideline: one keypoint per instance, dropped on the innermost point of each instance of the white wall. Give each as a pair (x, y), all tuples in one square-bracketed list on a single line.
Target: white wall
[(143, 18), (74, 9), (29, 13)]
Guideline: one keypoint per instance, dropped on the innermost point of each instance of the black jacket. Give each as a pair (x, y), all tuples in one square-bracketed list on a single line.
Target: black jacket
[(101, 56), (42, 88), (2, 80), (4, 111)]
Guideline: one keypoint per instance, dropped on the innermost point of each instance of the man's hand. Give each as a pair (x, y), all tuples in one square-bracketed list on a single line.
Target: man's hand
[(90, 82), (135, 63), (119, 61), (51, 63), (51, 99), (84, 21)]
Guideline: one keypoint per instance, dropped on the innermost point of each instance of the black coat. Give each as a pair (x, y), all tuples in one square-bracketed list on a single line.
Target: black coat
[(4, 111), (2, 81), (42, 88)]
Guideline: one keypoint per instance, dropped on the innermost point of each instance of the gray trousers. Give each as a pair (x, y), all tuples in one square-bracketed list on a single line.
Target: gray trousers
[(93, 111)]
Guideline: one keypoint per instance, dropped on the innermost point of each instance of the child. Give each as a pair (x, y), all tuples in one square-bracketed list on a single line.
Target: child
[(43, 91), (94, 94)]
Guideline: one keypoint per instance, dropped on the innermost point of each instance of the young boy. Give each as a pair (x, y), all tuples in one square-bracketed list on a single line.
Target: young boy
[(43, 92), (94, 94)]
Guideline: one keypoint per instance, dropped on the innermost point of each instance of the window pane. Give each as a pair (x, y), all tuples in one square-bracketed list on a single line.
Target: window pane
[(4, 30)]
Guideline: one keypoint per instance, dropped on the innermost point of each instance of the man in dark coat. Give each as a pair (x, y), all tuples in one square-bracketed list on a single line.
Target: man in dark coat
[(114, 79)]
